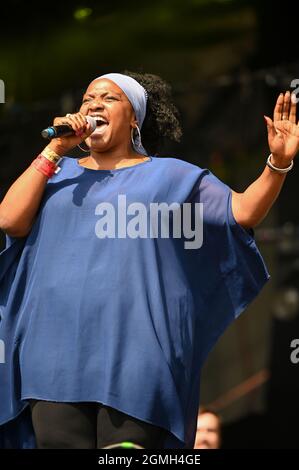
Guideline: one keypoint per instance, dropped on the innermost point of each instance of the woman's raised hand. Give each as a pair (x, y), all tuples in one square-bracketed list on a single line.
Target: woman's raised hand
[(283, 131)]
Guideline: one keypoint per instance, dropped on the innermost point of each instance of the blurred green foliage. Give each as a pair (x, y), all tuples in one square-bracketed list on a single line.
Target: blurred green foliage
[(44, 51)]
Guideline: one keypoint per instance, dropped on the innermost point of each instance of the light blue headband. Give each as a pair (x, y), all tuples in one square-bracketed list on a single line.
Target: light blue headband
[(137, 96)]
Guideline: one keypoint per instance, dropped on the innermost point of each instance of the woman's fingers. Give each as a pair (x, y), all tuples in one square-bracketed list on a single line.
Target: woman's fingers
[(286, 105), (277, 115), (270, 126), (285, 108), (76, 121), (292, 116), (80, 126)]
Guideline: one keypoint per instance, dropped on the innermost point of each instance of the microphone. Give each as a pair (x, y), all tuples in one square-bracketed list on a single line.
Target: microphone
[(64, 130)]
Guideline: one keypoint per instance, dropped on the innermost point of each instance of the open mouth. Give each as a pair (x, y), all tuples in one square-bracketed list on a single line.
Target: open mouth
[(102, 124)]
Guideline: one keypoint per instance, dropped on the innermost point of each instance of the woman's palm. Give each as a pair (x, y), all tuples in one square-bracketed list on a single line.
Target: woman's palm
[(283, 132)]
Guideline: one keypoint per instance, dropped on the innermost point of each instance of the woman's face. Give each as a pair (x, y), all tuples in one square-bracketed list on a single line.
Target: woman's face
[(105, 100)]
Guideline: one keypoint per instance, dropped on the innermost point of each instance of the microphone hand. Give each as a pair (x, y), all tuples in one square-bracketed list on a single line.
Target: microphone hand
[(80, 126)]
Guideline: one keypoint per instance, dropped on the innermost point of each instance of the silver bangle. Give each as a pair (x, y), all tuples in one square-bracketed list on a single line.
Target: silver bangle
[(278, 170)]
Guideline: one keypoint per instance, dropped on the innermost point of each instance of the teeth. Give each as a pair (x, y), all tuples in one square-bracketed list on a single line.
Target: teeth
[(99, 117), (100, 121)]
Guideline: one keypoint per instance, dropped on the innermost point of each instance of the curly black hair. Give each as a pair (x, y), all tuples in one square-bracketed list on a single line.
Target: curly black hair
[(162, 117)]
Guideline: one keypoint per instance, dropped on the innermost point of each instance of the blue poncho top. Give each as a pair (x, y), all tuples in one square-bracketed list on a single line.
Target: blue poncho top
[(97, 305)]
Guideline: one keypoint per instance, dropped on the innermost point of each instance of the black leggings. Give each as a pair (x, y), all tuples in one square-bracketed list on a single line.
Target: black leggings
[(89, 426)]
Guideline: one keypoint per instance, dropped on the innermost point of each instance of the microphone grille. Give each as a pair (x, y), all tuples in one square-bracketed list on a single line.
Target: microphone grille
[(92, 121)]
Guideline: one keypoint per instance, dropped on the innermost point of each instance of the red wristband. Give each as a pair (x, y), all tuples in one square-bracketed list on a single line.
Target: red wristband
[(43, 165)]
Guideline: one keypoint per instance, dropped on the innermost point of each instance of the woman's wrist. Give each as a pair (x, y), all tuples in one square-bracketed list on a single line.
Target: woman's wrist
[(58, 149), (279, 161), (45, 166), (51, 155), (282, 170), (47, 161)]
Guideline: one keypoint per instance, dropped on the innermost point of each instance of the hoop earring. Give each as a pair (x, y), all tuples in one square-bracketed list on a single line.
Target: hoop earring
[(83, 150), (136, 140)]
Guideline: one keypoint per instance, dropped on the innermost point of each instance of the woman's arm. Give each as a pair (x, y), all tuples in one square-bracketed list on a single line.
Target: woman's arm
[(21, 203), (251, 207)]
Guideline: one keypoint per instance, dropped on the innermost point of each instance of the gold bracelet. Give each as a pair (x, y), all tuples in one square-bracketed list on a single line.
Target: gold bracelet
[(51, 155)]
